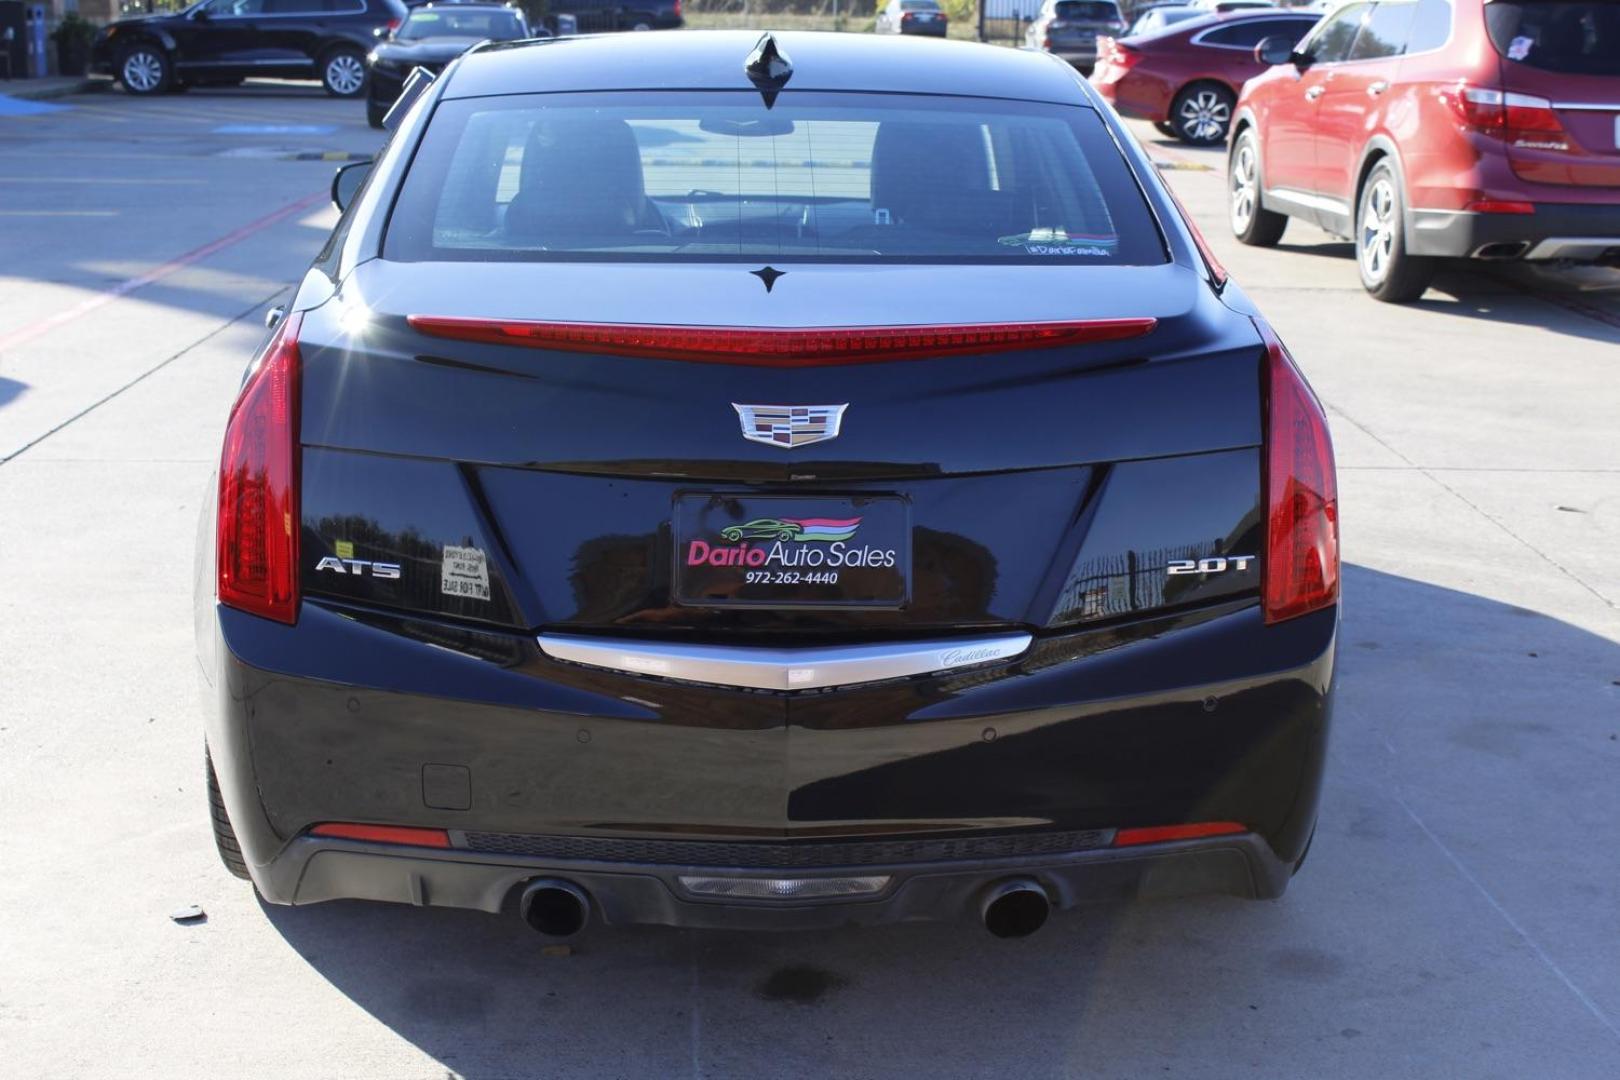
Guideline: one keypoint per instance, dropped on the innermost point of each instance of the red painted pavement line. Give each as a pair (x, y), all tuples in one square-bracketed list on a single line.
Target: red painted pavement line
[(157, 273)]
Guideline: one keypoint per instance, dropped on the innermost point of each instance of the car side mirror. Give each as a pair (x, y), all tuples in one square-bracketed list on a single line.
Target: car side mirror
[(346, 182), (1274, 50)]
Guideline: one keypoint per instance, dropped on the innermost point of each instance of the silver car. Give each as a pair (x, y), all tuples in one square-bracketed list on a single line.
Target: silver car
[(1069, 29)]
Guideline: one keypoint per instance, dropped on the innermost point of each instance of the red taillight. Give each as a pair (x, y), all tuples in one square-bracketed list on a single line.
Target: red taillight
[(394, 24), (783, 347), (384, 834), (1518, 119), (677, 9), (1501, 206), (907, 16), (1161, 833), (1302, 496), (257, 527)]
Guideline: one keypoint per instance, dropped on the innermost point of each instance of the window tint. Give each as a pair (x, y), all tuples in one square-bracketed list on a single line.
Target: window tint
[(1385, 32), (1337, 33), (294, 7), (716, 176), (1575, 38), (1251, 32), (1431, 26), (229, 8), (1086, 10), (448, 21), (919, 5)]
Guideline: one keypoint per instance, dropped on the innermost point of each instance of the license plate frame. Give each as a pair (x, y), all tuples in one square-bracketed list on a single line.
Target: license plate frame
[(741, 550)]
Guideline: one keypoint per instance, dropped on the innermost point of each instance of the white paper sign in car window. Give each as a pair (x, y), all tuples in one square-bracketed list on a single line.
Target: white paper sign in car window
[(464, 572)]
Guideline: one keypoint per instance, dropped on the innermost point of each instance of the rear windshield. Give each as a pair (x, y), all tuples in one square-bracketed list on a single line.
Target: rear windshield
[(1573, 38), (717, 175), (447, 22), (1086, 9)]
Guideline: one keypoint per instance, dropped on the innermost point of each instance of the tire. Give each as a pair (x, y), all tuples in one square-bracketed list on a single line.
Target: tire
[(230, 852), (1387, 271), (144, 69), (178, 87), (375, 114), (1251, 222), (1163, 128), (1202, 114), (343, 72)]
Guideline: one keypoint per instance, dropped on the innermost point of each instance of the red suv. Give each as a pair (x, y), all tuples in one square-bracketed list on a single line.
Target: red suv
[(1485, 129), (1186, 78)]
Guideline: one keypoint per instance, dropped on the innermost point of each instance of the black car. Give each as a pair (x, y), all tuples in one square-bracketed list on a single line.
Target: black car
[(431, 37), (485, 603), (222, 42)]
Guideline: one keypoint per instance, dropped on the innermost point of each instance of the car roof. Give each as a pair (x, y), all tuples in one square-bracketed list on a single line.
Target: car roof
[(713, 59)]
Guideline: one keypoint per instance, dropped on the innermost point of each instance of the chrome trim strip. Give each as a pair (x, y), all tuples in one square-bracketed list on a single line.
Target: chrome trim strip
[(1587, 106), (783, 669), (1305, 198), (1573, 247)]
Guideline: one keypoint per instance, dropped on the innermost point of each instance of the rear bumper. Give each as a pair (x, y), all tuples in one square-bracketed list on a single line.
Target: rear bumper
[(1584, 232), (355, 716), (311, 870)]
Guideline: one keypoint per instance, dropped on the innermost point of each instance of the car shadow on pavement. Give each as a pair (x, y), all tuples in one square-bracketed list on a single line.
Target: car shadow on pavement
[(1471, 767)]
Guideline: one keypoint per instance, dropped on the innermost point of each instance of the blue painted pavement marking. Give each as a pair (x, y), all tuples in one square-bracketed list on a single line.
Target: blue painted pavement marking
[(275, 129), (10, 106)]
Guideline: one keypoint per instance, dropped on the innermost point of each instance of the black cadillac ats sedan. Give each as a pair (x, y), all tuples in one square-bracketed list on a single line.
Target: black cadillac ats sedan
[(775, 482)]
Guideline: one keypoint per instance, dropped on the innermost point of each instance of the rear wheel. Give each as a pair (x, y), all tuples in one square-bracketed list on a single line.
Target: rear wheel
[(1251, 222), (1202, 114), (1387, 271), (144, 69), (343, 72), (1164, 127), (230, 852)]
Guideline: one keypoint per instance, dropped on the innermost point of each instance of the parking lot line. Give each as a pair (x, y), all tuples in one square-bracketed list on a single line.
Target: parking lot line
[(157, 273), (172, 180)]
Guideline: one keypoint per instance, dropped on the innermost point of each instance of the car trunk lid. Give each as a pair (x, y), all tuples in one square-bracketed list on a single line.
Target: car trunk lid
[(548, 488)]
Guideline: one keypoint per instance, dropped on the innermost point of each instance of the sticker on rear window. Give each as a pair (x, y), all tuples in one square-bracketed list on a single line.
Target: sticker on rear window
[(1048, 241), (1519, 48), (464, 572)]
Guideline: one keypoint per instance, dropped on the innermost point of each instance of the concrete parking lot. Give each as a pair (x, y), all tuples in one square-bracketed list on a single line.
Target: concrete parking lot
[(1457, 917)]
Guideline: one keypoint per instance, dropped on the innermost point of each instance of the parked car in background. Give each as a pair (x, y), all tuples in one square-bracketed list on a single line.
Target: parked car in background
[(220, 42), (1163, 17), (1186, 79), (1430, 129), (912, 17), (1223, 7), (610, 16), (431, 37), (489, 604), (1070, 28)]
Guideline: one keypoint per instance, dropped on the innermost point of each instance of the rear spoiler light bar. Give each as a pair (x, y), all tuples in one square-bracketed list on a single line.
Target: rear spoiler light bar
[(783, 347)]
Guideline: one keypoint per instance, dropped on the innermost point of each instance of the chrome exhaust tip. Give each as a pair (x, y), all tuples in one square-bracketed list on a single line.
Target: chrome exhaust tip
[(1015, 908), (555, 908)]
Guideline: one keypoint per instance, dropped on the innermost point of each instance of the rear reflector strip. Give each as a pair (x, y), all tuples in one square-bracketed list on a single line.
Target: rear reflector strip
[(384, 834), (1160, 834), (781, 347)]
